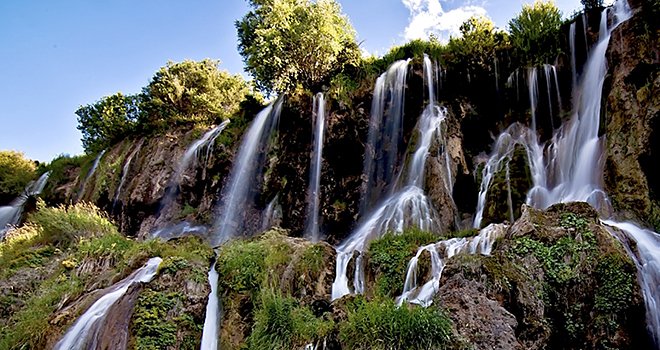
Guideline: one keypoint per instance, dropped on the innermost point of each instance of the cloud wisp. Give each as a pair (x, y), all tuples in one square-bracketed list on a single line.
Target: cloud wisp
[(428, 17)]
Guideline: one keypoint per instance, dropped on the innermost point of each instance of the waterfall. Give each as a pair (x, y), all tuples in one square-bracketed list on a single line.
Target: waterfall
[(440, 252), (192, 153), (385, 135), (571, 168), (10, 215), (647, 260), (124, 173), (237, 195), (90, 173), (272, 216), (84, 332), (212, 319), (314, 193), (406, 206)]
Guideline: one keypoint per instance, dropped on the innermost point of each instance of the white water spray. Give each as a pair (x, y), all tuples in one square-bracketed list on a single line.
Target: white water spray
[(314, 193), (84, 332)]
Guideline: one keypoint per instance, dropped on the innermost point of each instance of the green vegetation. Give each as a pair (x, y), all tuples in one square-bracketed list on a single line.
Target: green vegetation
[(16, 172), (534, 32), (77, 247), (291, 42), (282, 323), (148, 325), (108, 120), (183, 93), (192, 92), (477, 46), (389, 256), (382, 325), (591, 4)]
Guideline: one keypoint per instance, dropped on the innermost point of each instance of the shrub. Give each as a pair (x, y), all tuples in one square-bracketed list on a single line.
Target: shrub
[(16, 172)]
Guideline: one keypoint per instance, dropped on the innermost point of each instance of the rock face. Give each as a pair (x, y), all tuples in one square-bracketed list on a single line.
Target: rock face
[(632, 117), (557, 280)]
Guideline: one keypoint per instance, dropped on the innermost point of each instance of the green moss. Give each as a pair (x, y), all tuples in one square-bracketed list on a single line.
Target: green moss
[(389, 256), (150, 325), (616, 283), (380, 324), (241, 266)]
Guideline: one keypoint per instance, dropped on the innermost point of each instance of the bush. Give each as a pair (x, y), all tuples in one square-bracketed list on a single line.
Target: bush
[(16, 172), (389, 256), (383, 325)]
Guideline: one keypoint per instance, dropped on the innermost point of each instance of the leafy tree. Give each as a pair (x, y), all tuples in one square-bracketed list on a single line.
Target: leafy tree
[(478, 44), (108, 120), (191, 91), (289, 42), (16, 172), (535, 32)]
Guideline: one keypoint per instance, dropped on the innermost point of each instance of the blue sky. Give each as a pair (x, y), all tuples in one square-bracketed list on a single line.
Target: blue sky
[(58, 55)]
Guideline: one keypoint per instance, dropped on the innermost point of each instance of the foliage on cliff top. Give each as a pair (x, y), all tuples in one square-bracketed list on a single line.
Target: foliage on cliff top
[(180, 93), (290, 42), (16, 172), (534, 32)]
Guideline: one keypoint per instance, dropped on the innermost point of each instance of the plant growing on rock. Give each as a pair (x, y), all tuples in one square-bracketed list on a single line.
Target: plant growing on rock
[(16, 172)]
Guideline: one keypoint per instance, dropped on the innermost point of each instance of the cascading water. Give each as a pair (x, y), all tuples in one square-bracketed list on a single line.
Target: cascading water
[(440, 252), (406, 207), (212, 318), (10, 215), (124, 173), (90, 173), (272, 216), (237, 194), (192, 153), (313, 193), (385, 135), (571, 168), (84, 332), (647, 260)]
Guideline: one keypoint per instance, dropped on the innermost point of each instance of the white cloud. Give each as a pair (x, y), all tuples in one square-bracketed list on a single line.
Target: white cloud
[(428, 17)]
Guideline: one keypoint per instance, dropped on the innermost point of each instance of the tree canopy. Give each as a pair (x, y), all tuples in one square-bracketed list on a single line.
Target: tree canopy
[(478, 43), (16, 172), (535, 32), (290, 42), (179, 93), (192, 91)]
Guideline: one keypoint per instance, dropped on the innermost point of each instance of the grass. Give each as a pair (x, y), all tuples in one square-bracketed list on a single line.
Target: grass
[(389, 256), (380, 324)]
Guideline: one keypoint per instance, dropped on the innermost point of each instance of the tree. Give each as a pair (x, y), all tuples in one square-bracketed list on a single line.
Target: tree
[(16, 172), (289, 42), (191, 91), (478, 44), (107, 121), (535, 32)]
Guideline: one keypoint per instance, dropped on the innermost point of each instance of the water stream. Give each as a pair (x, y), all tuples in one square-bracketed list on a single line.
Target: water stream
[(314, 193), (90, 173), (10, 215), (212, 318), (84, 332), (238, 193)]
